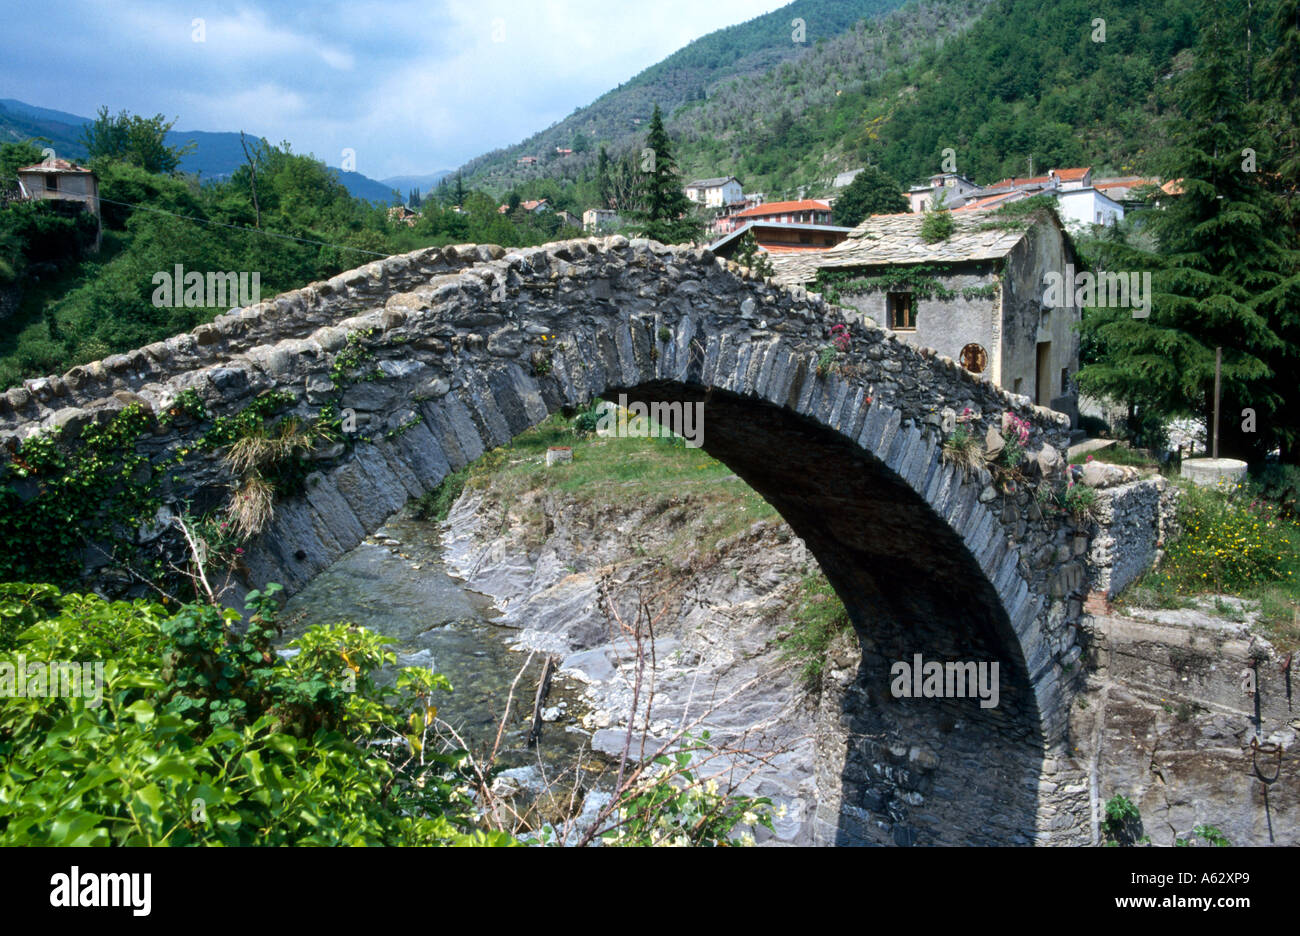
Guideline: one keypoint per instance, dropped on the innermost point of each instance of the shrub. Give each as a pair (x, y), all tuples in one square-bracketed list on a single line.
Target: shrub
[(1123, 822), (1228, 542), (826, 360), (936, 226), (208, 737)]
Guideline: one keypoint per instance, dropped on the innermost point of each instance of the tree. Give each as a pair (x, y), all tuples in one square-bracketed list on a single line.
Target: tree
[(1214, 271), (1280, 88), (604, 186), (666, 213), (870, 192), (460, 190), (749, 254), (134, 139)]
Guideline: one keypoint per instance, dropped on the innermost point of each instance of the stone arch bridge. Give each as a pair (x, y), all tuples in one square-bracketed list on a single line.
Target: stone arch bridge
[(465, 347)]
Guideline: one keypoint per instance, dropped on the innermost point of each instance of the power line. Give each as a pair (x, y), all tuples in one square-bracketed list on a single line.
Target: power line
[(238, 227)]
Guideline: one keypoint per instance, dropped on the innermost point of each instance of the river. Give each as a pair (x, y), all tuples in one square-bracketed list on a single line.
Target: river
[(395, 583)]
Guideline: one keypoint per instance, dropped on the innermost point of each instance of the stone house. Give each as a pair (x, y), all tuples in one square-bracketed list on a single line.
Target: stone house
[(976, 296), (600, 219), (61, 180)]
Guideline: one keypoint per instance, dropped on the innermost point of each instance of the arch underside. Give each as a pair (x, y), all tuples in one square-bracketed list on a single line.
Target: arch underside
[(891, 770)]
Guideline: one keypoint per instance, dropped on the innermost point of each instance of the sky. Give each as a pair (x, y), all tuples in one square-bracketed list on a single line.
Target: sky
[(411, 86)]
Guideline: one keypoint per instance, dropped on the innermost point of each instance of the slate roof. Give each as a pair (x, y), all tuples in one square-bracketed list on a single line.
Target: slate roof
[(896, 239), (710, 183), (54, 165)]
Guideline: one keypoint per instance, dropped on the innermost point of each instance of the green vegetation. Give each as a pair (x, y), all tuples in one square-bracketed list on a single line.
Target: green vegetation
[(1123, 823), (936, 226), (285, 217), (818, 620), (1225, 269), (749, 254), (1233, 541), (871, 192), (203, 736), (671, 804), (665, 213), (1208, 834)]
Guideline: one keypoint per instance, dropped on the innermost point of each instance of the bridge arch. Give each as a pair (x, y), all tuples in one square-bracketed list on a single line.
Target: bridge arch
[(470, 346)]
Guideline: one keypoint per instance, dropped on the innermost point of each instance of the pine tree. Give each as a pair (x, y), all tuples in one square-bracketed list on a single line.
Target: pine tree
[(460, 190), (749, 254), (1280, 89), (666, 214), (1215, 263)]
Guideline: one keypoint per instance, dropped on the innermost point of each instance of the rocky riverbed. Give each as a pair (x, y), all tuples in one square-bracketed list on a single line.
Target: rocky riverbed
[(720, 617)]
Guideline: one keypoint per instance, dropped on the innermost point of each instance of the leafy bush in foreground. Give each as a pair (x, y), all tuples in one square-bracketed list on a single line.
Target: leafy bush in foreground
[(204, 736)]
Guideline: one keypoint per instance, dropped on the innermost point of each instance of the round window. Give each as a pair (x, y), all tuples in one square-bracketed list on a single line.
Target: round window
[(973, 358)]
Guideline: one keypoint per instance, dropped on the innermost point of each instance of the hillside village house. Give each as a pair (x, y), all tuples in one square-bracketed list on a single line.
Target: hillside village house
[(568, 218), (977, 297), (1079, 201), (714, 193), (61, 180), (600, 219), (776, 238), (537, 206), (956, 190), (804, 211)]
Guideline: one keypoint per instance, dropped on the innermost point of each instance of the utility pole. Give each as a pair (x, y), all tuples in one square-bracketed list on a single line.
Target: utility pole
[(1218, 365)]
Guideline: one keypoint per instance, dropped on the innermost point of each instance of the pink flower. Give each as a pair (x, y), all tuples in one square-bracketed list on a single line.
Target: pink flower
[(1089, 458)]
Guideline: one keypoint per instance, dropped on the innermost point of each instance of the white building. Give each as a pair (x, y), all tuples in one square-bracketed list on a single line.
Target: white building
[(1081, 207), (714, 193)]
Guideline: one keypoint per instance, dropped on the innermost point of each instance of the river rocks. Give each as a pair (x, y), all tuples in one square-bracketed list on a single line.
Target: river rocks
[(722, 640)]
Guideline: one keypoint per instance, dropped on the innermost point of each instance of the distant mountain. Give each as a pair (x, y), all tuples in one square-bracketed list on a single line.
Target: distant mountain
[(216, 154), (689, 74), (425, 183)]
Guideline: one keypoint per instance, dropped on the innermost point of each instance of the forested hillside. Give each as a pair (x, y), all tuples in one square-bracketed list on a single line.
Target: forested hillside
[(998, 81), (620, 116)]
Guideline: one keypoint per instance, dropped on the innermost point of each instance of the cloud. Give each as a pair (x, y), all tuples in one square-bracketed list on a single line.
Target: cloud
[(411, 85)]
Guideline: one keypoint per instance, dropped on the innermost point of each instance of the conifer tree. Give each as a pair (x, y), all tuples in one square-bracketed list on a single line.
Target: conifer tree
[(666, 213), (1280, 172), (748, 254), (1215, 263)]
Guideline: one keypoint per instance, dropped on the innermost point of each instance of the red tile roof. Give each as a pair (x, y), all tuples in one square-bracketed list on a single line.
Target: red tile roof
[(1071, 175), (783, 207)]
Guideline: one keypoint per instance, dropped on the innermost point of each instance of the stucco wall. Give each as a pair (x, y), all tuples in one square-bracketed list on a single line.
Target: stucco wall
[(1024, 326), (947, 325)]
